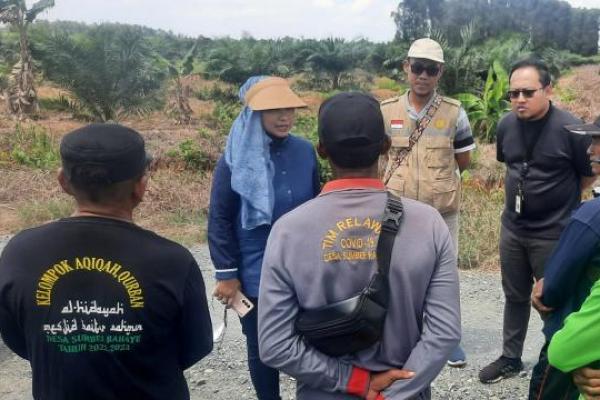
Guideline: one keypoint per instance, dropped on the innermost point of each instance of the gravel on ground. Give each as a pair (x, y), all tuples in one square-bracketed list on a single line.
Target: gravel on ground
[(223, 374)]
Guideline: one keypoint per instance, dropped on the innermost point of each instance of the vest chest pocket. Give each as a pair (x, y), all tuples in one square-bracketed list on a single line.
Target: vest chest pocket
[(440, 157)]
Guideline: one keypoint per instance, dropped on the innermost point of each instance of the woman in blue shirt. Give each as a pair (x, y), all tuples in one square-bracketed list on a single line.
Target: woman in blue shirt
[(264, 173)]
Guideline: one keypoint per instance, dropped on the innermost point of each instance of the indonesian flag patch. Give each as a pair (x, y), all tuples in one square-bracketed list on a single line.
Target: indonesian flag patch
[(397, 124)]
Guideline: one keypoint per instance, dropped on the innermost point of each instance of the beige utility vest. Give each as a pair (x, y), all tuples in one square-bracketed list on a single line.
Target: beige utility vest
[(429, 173)]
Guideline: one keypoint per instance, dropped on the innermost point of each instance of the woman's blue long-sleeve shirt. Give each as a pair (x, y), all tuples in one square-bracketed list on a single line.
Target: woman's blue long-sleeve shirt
[(236, 252)]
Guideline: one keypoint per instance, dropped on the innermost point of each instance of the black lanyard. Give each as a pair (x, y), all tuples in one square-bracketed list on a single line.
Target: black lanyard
[(526, 164)]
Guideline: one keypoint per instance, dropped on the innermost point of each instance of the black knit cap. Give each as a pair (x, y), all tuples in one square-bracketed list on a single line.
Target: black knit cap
[(116, 153), (351, 129), (586, 129)]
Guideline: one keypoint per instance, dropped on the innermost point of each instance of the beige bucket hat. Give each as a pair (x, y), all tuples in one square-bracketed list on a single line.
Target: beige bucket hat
[(428, 49), (270, 94)]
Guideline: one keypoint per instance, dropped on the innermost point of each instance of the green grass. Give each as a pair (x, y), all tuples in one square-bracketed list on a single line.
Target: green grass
[(566, 95), (187, 217), (60, 103), (389, 84), (34, 147), (188, 227)]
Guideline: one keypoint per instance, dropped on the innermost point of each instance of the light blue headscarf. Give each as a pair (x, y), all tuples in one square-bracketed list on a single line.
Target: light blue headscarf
[(248, 157)]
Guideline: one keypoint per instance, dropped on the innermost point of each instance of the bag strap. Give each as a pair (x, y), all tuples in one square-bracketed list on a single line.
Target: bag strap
[(414, 137), (392, 218), (379, 288)]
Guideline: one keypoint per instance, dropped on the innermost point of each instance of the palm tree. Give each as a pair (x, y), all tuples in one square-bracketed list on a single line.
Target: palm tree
[(234, 61), (21, 97), (334, 58), (111, 71), (178, 104)]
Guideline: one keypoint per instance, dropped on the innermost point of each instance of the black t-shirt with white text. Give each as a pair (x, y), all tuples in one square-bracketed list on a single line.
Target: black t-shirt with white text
[(103, 309)]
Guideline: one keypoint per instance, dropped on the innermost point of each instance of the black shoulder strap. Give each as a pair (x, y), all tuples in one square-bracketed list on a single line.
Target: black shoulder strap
[(378, 288), (392, 217)]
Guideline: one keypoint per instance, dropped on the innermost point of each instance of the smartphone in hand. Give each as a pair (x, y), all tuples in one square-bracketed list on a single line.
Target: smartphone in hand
[(241, 305)]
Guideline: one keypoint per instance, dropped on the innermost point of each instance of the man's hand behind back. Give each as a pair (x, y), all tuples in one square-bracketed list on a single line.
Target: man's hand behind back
[(382, 380), (536, 298), (588, 382)]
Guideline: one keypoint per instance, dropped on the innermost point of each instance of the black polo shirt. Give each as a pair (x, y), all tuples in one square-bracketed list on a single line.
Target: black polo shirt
[(552, 183)]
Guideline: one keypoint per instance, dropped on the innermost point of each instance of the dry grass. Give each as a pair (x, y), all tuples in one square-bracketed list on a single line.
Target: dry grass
[(175, 205), (480, 227), (485, 171), (481, 207), (25, 184), (171, 190), (578, 92)]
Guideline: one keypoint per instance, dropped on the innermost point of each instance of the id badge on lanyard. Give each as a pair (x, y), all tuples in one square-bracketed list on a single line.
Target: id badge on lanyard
[(519, 197), (518, 201)]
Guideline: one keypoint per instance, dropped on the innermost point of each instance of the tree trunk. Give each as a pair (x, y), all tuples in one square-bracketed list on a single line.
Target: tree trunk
[(21, 95), (337, 77)]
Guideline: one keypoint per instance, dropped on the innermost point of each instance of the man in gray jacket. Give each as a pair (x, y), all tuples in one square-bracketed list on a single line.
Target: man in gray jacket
[(325, 251)]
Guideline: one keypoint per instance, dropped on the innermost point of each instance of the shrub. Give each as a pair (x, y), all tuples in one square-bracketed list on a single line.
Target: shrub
[(565, 94), (389, 84), (63, 103), (218, 93), (222, 117), (213, 142), (34, 147), (194, 156), (306, 126), (484, 112)]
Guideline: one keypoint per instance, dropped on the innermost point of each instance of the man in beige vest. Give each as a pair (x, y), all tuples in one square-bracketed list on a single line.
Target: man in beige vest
[(431, 142)]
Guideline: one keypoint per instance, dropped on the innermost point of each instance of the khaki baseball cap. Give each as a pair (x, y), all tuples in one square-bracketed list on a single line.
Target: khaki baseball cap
[(428, 49), (270, 94)]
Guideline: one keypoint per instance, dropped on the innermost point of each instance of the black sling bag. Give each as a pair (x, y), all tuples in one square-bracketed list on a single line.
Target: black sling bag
[(352, 325)]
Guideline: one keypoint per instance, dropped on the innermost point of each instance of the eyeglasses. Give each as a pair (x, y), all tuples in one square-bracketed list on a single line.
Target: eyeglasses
[(417, 68), (527, 93)]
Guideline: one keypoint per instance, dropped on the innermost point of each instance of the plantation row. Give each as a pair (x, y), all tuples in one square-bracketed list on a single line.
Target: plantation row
[(112, 70)]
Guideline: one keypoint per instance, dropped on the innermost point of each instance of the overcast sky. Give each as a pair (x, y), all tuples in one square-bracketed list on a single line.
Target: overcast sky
[(261, 18)]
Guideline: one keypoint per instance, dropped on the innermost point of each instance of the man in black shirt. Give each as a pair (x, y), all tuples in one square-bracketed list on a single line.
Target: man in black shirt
[(100, 307), (546, 170)]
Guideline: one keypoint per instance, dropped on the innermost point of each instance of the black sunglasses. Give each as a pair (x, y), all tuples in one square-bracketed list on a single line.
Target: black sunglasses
[(417, 68), (527, 93)]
